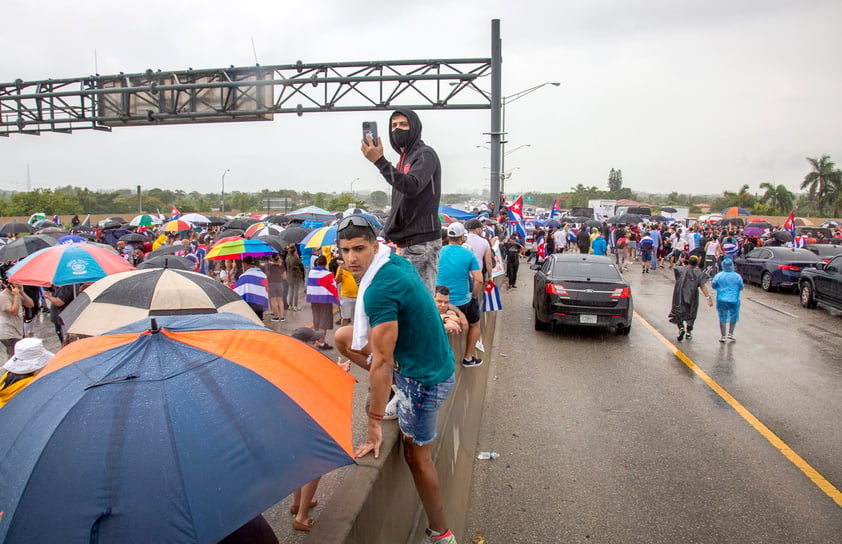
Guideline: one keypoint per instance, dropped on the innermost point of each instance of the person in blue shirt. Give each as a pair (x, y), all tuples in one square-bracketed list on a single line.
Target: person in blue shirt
[(598, 245), (460, 272), (728, 285)]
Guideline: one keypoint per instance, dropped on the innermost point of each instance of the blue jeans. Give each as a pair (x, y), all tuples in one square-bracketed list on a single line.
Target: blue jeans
[(418, 407)]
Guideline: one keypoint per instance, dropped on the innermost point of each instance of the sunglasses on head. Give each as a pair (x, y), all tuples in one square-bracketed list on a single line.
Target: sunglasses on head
[(353, 220)]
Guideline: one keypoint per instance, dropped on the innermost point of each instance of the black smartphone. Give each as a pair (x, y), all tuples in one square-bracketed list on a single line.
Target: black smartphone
[(370, 129)]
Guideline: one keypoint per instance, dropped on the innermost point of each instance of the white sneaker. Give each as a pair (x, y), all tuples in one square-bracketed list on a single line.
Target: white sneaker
[(446, 538), (731, 338), (391, 411), (722, 339)]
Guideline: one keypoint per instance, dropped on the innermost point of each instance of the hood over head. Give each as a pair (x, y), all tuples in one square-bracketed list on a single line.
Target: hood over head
[(727, 265), (414, 129)]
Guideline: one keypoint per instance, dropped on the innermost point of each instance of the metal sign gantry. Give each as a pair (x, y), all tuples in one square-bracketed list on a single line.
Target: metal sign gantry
[(239, 94)]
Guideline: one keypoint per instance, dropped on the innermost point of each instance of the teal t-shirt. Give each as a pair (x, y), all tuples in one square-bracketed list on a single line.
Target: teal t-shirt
[(455, 266), (397, 294)]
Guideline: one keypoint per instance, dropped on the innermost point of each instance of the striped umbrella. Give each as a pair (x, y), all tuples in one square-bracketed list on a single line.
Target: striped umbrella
[(120, 299), (324, 236), (237, 249), (177, 225), (268, 230), (145, 220), (445, 219), (253, 228), (66, 264), (174, 434)]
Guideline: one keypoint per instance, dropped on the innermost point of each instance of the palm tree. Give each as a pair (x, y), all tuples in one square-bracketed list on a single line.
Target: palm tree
[(823, 184), (780, 198), (744, 198)]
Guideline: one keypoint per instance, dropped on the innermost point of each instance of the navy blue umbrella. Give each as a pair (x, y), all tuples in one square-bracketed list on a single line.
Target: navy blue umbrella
[(174, 434)]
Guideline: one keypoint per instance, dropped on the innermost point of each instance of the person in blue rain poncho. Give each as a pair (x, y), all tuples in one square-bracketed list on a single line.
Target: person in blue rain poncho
[(728, 285)]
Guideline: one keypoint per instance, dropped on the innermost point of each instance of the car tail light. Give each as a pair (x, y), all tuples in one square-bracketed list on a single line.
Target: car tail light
[(788, 267), (556, 289), (825, 261), (620, 292)]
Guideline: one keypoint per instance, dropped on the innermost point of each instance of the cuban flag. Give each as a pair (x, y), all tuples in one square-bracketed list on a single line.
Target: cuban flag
[(516, 228), (555, 210), (515, 209), (321, 287), (541, 248), (491, 298), (789, 224), (174, 212)]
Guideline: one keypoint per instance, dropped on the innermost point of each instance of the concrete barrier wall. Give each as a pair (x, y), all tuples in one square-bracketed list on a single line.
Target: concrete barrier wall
[(377, 501)]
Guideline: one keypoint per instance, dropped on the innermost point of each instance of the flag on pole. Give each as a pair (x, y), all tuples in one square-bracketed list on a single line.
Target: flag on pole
[(555, 210), (160, 215), (491, 298), (174, 212), (789, 224)]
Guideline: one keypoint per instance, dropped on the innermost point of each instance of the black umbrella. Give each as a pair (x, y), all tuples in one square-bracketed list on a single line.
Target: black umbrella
[(294, 234), (657, 218), (15, 227), (44, 223), (274, 240), (277, 219), (167, 261), (782, 235), (168, 249), (110, 224), (25, 246), (668, 209), (217, 221), (133, 237), (591, 223), (238, 223), (230, 232), (552, 223), (628, 219), (736, 221), (574, 219)]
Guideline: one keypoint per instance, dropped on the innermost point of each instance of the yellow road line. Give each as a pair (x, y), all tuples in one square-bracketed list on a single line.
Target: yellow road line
[(819, 480)]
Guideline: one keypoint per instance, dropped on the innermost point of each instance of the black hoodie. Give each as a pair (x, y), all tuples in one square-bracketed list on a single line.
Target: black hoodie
[(416, 188)]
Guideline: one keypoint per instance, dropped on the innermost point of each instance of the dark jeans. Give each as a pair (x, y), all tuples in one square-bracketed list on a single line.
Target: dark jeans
[(511, 272)]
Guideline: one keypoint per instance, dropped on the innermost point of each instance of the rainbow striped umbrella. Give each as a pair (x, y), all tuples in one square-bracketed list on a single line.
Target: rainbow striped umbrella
[(254, 228), (177, 225), (237, 249)]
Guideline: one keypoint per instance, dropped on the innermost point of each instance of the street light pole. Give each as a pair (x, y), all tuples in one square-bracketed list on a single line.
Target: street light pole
[(352, 187), (223, 190), (508, 100)]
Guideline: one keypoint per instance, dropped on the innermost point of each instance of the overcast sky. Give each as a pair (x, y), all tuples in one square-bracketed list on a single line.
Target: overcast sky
[(692, 96)]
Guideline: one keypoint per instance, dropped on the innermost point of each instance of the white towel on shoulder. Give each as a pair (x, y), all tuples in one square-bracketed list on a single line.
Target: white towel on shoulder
[(361, 323)]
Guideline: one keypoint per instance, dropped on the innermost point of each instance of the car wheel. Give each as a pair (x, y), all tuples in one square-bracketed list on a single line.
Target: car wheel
[(807, 299), (624, 331), (766, 281), (539, 325)]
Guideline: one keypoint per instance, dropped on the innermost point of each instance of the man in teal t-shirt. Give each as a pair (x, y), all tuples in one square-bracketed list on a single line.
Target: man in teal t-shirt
[(460, 272), (398, 334)]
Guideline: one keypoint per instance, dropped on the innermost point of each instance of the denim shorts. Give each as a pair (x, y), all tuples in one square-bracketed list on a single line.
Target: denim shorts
[(418, 407)]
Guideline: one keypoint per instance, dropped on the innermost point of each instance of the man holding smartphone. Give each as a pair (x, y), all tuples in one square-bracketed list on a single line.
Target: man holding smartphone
[(414, 223)]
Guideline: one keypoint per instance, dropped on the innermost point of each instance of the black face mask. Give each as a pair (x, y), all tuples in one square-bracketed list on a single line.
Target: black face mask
[(400, 137)]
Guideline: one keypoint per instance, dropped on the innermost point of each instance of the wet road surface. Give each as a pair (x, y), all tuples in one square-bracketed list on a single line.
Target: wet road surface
[(604, 438)]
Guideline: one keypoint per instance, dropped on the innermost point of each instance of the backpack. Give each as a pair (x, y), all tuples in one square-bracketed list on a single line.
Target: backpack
[(622, 242)]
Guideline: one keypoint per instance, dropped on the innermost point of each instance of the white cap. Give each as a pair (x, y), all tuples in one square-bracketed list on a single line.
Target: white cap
[(455, 230)]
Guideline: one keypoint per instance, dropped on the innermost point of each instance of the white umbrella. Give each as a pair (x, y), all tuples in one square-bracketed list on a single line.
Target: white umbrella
[(195, 218)]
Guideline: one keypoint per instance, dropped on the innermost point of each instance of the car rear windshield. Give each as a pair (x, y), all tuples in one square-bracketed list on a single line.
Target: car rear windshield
[(584, 269)]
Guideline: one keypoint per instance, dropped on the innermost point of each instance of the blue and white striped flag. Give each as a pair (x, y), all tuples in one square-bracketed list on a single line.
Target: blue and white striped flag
[(491, 298)]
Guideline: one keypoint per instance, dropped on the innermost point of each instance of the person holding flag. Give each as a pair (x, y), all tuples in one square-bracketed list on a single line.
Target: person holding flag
[(789, 225), (555, 210), (322, 294)]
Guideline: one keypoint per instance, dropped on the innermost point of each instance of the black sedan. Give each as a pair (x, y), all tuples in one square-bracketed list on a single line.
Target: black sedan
[(575, 289), (825, 251), (774, 267), (822, 284)]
